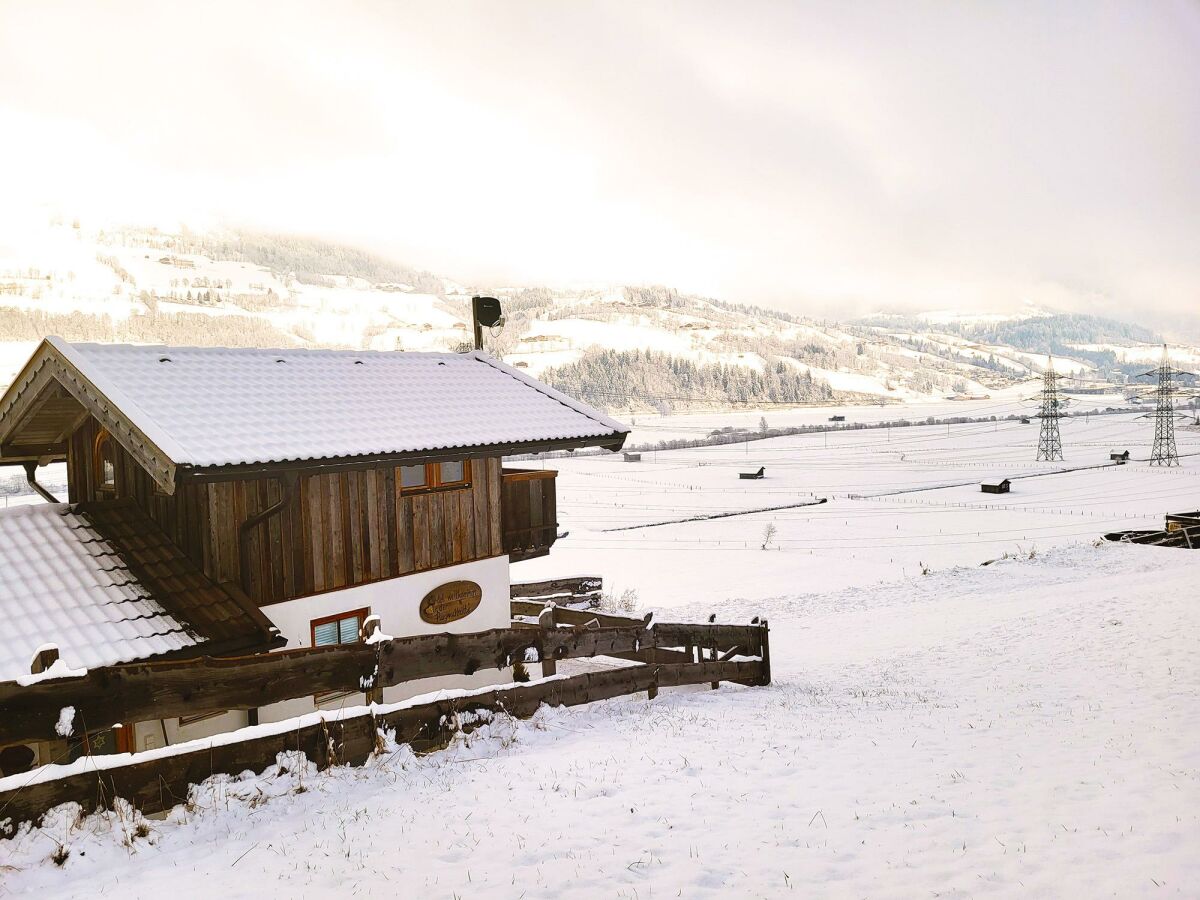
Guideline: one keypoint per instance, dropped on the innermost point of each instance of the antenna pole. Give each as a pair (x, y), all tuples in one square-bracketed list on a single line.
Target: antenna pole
[(478, 328)]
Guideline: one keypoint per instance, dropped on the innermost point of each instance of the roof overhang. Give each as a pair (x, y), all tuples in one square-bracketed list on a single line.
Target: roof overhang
[(49, 399), (611, 442)]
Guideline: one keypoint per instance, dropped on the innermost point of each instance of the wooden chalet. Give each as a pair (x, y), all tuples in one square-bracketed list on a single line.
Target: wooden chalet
[(228, 501), (996, 487)]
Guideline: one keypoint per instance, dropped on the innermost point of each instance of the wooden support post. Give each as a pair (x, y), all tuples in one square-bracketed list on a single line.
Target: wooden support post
[(716, 655), (766, 654), (650, 657), (374, 691), (546, 623)]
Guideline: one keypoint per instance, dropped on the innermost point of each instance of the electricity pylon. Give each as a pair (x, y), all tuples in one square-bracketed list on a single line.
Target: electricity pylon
[(1049, 440), (1163, 453)]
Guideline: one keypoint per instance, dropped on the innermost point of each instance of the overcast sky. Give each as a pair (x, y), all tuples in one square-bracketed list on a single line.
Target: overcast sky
[(828, 158)]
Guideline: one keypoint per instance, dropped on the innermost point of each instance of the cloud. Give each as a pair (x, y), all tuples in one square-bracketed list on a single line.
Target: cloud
[(830, 158)]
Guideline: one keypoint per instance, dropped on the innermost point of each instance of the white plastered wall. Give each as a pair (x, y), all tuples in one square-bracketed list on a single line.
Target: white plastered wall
[(396, 602)]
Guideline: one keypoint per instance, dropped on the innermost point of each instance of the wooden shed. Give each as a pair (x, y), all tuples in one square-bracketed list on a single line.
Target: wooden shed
[(996, 487), (1119, 458)]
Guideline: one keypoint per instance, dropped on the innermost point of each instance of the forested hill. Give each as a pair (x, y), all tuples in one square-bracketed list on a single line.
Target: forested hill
[(635, 378), (649, 347)]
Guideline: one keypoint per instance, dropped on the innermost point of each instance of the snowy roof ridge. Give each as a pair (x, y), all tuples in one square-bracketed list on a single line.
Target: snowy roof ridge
[(117, 397), (562, 398), (207, 407)]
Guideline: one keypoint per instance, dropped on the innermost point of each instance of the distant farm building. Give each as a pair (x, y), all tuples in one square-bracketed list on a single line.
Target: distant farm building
[(754, 476), (996, 487), (837, 418), (1119, 458), (632, 457)]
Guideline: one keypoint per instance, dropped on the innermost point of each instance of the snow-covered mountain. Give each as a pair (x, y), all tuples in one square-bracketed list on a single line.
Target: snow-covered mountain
[(617, 346)]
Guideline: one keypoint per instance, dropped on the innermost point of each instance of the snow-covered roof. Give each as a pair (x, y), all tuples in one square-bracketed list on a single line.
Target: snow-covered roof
[(61, 583), (205, 406)]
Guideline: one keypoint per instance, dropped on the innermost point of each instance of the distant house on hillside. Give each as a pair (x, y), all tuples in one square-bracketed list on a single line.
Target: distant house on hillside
[(1119, 458), (996, 487), (236, 501)]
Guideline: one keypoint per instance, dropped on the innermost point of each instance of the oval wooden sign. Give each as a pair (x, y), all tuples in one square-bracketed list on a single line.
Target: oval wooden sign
[(451, 602)]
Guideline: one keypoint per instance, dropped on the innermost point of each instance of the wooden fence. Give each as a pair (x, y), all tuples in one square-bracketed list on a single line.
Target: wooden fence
[(582, 591), (669, 654)]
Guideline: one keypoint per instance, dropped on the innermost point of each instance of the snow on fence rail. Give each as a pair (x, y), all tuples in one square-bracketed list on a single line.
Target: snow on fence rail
[(671, 654), (583, 591)]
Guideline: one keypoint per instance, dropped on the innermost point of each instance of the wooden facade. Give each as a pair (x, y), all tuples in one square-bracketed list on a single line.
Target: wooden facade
[(337, 529), (529, 522)]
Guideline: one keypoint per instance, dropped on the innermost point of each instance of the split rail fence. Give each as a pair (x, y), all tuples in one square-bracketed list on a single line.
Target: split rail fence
[(664, 655)]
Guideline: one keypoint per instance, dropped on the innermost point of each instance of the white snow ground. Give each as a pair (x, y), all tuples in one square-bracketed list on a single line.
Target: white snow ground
[(1027, 728)]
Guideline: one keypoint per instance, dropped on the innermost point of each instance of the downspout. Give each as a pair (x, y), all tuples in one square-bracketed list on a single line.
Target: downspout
[(289, 491), (31, 477)]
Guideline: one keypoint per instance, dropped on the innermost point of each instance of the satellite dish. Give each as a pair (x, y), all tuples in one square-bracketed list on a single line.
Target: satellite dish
[(487, 311)]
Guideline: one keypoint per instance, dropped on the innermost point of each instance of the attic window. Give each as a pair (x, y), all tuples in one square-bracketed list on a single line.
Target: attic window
[(104, 465), (433, 476)]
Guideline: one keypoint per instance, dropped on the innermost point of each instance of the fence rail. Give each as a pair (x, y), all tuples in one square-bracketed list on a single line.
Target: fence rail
[(584, 591), (156, 784), (670, 654)]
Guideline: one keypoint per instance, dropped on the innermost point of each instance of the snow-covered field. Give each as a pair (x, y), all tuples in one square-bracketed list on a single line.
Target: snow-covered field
[(899, 500), (1028, 728)]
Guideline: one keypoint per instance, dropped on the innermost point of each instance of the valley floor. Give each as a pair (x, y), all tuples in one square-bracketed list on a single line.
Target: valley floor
[(1024, 729)]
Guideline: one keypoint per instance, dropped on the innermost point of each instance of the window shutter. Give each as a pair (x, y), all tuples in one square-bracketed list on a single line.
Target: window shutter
[(326, 634)]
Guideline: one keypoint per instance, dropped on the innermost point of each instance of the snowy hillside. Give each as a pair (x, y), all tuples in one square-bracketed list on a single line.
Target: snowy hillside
[(181, 287), (934, 727)]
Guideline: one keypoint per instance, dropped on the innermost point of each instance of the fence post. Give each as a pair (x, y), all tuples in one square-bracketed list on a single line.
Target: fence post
[(546, 622), (373, 692), (765, 653), (716, 650), (650, 657)]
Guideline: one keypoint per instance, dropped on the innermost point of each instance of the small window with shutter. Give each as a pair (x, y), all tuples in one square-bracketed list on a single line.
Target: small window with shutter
[(331, 631)]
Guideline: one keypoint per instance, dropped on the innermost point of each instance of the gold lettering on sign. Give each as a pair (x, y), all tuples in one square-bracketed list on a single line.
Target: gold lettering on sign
[(451, 602)]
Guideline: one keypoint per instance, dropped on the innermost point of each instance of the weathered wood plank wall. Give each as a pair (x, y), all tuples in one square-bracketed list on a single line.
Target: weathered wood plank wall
[(340, 529)]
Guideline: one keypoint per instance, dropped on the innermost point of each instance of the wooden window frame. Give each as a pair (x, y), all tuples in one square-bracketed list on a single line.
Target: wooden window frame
[(103, 437), (362, 615), (185, 721), (337, 617), (433, 478)]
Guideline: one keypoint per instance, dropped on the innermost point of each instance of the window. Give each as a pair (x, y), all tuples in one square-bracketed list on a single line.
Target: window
[(331, 631), (104, 467), (344, 628), (450, 474), (412, 477)]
